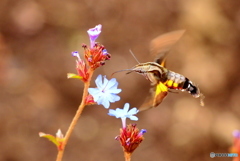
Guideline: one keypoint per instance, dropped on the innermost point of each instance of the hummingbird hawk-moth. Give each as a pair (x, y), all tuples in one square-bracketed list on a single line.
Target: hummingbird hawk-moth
[(162, 78)]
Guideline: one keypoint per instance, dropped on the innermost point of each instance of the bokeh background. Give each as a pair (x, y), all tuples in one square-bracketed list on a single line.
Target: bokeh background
[(36, 41)]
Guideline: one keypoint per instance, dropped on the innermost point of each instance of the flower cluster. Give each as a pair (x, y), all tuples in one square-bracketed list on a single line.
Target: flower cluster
[(130, 136), (106, 92), (95, 56)]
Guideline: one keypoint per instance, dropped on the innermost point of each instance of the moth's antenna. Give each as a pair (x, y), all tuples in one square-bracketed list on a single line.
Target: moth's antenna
[(133, 56)]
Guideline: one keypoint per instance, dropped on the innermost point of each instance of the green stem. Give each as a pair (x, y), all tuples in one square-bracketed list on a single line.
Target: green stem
[(76, 117)]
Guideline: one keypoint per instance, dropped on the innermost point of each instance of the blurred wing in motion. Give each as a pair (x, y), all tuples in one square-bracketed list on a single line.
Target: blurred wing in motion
[(156, 98), (160, 46)]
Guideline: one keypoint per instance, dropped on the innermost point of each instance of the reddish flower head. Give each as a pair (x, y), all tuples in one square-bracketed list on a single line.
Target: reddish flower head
[(130, 137), (96, 56)]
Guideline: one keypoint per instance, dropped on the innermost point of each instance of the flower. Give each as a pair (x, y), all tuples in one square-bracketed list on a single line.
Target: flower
[(124, 113), (94, 33), (130, 138), (81, 69), (96, 55), (105, 92)]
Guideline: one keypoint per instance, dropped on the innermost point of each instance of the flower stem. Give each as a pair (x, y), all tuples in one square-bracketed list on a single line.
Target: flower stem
[(127, 156), (76, 117)]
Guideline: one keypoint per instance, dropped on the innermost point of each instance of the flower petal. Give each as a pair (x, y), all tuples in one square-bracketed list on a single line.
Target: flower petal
[(94, 32), (112, 83), (103, 101), (126, 107), (133, 111), (98, 81), (105, 83), (103, 95), (112, 112), (124, 113), (134, 118)]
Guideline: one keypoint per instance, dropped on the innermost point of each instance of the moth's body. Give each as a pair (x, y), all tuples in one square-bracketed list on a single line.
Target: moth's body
[(156, 74)]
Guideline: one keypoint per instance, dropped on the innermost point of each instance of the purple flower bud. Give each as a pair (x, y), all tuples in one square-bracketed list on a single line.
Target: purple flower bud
[(76, 54), (143, 131), (94, 33), (105, 52)]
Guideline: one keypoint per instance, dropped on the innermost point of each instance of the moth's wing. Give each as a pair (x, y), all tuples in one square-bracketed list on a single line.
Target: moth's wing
[(158, 94), (160, 46)]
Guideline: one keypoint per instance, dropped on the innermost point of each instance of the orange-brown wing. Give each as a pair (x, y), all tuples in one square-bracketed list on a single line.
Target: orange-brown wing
[(157, 97), (163, 43)]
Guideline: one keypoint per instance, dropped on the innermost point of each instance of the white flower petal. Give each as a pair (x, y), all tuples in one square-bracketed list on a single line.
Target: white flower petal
[(95, 93), (113, 98), (99, 82), (133, 111), (105, 83), (115, 91), (111, 83), (105, 103), (134, 118), (126, 107), (112, 112), (116, 98)]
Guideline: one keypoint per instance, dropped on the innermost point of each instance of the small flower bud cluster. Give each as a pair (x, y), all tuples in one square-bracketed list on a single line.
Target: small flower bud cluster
[(95, 56), (130, 137)]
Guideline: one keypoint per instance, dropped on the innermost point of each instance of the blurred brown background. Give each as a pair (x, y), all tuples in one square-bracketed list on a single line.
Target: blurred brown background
[(36, 41)]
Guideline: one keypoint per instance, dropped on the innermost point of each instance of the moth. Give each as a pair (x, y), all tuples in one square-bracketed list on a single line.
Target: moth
[(163, 79)]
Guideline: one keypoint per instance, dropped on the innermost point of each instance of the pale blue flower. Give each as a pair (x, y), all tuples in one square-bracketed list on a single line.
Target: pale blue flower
[(121, 113), (124, 113), (94, 33), (105, 92)]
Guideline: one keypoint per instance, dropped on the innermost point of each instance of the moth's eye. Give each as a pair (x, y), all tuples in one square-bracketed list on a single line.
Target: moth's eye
[(156, 74)]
